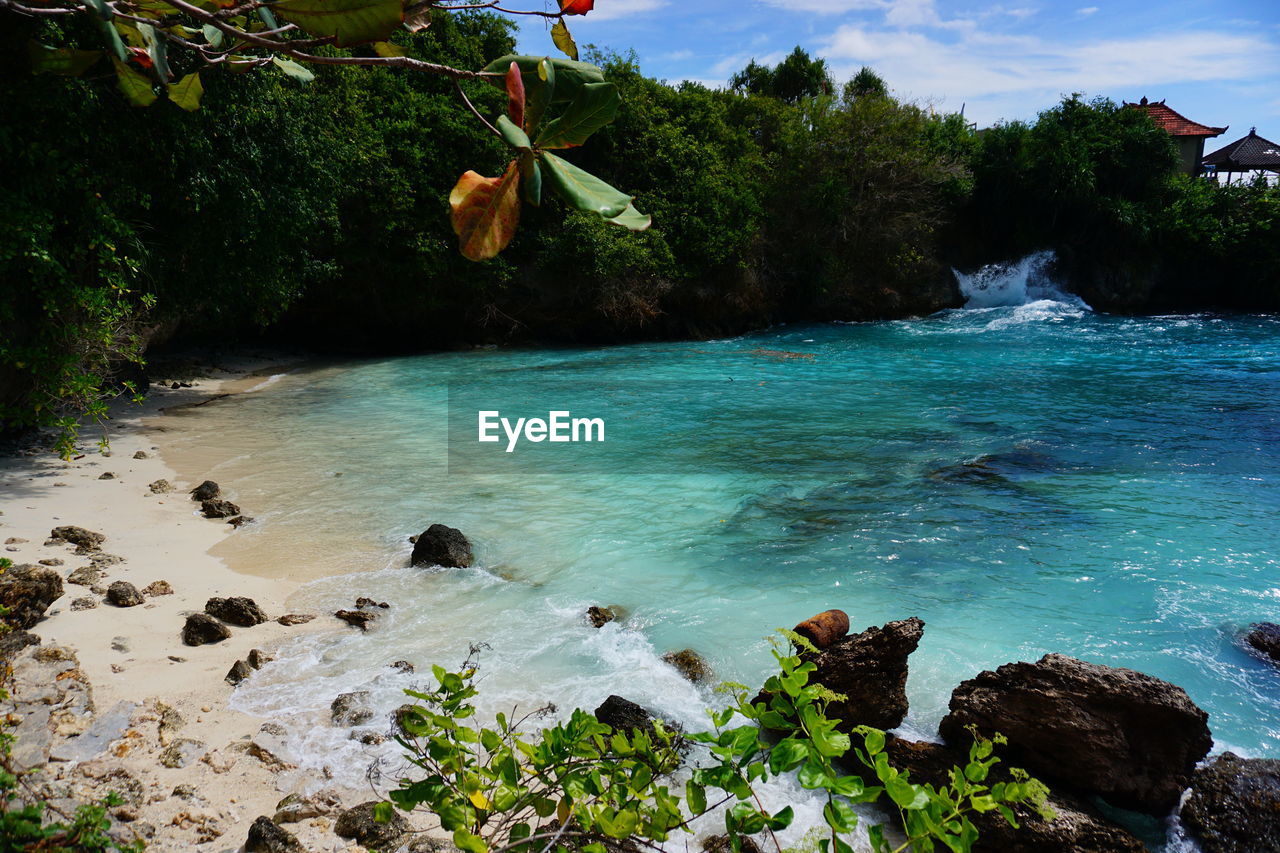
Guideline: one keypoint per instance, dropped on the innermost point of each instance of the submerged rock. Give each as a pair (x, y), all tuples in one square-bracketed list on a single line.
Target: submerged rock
[(202, 628), (358, 824), (79, 536), (358, 618), (870, 670), (206, 491), (690, 664), (351, 709), (440, 545), (1125, 736), (1234, 805), (363, 602), (27, 591), (600, 616), (825, 628), (1264, 638), (124, 594), (240, 520), (237, 610), (266, 837), (219, 509)]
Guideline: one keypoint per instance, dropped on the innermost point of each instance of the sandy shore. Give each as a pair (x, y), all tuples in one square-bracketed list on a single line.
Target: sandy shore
[(134, 657)]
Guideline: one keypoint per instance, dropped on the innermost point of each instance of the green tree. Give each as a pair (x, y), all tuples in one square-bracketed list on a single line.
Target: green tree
[(795, 78)]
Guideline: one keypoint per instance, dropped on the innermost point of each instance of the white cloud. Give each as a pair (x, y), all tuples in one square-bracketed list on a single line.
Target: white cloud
[(613, 9), (1086, 11)]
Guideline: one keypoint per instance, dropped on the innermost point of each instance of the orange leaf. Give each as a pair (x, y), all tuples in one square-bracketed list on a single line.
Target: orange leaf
[(141, 57), (486, 212), (576, 7), (515, 95)]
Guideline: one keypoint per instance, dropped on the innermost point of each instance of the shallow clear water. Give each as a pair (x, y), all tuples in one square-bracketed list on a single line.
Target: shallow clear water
[(1027, 479)]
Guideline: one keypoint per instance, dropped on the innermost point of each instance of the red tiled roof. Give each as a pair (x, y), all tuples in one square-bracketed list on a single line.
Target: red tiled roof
[(1174, 122)]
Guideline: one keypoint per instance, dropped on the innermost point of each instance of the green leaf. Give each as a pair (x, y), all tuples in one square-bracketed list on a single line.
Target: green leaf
[(212, 35), (530, 178), (383, 812), (157, 49), (595, 105), (187, 91), (563, 40), (512, 134), (874, 739), (788, 753), (782, 819), (539, 97), (584, 190), (904, 794), (387, 48), (469, 843), (570, 76), (293, 69), (350, 22), (63, 61), (697, 798), (135, 86)]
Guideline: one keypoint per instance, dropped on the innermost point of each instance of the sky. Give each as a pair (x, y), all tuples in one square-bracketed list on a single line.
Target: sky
[(1218, 64)]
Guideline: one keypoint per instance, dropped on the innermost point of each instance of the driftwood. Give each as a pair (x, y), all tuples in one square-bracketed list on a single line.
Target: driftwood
[(825, 628)]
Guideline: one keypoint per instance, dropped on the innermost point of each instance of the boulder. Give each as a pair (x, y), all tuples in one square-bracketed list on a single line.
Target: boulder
[(690, 664), (401, 666), (600, 616), (124, 594), (1125, 736), (439, 545), (1234, 805), (237, 610), (140, 454), (240, 670), (257, 658), (406, 711), (266, 837), (219, 509), (87, 539), (351, 709), (825, 628), (358, 824), (27, 591), (624, 715), (206, 491), (202, 628), (1264, 639), (870, 670), (107, 475)]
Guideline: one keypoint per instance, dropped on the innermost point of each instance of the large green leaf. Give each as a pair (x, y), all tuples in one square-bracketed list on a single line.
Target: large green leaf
[(595, 105), (632, 219), (539, 97), (187, 91), (136, 87), (584, 190), (512, 134), (64, 61), (298, 72), (349, 21), (570, 76)]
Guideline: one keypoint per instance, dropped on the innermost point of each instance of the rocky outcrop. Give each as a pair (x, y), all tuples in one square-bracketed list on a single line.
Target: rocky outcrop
[(351, 709), (27, 591), (1234, 805), (201, 628), (624, 715), (600, 616), (219, 509), (690, 664), (1264, 639), (440, 545), (78, 536), (12, 642), (237, 610), (51, 700), (359, 825), (206, 491), (124, 594), (265, 836), (825, 628), (1125, 736), (356, 618), (870, 670)]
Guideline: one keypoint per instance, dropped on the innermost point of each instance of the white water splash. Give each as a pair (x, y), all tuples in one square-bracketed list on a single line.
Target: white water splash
[(1007, 284)]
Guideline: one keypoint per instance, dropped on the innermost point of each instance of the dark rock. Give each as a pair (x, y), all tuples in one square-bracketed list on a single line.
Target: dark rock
[(825, 628), (202, 628), (160, 487), (78, 536), (690, 664), (99, 560), (439, 545), (206, 491), (50, 561), (85, 576), (358, 824), (27, 591), (402, 666), (721, 844), (1264, 637), (157, 588), (12, 642), (266, 837), (140, 454), (239, 521), (600, 616), (624, 715), (240, 670), (297, 807), (870, 670), (290, 619), (351, 709), (257, 657), (1234, 805), (358, 618), (367, 738), (1125, 736), (219, 509), (369, 602), (106, 475), (237, 610), (124, 594)]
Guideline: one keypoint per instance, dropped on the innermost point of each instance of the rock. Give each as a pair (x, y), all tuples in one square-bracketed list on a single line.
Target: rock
[(140, 454), (161, 487), (1128, 737), (358, 618), (351, 709), (721, 844), (296, 807), (1264, 638), (181, 752), (367, 738), (624, 715), (266, 837), (15, 540), (439, 545), (78, 536), (870, 669), (12, 642), (50, 561), (690, 664), (206, 491), (825, 628), (358, 824), (219, 509), (84, 602), (124, 594), (1234, 805), (202, 628), (237, 610), (600, 616), (239, 521), (27, 591), (240, 670), (401, 666), (157, 588), (257, 657), (290, 619), (106, 475), (99, 560), (186, 791), (85, 576), (369, 602)]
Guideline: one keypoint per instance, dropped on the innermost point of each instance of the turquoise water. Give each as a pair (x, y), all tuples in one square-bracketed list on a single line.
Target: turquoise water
[(1027, 479)]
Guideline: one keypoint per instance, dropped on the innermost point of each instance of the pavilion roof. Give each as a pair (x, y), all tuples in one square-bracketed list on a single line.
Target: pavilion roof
[(1245, 154), (1173, 121)]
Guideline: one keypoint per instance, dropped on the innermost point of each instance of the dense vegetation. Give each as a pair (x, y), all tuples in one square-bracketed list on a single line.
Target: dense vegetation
[(319, 213)]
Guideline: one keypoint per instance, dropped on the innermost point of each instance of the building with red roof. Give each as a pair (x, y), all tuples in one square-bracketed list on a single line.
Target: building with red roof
[(1188, 135)]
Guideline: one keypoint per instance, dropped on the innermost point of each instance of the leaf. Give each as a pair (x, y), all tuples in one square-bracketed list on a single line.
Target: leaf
[(512, 134), (469, 843), (387, 48), (383, 812), (530, 178), (157, 49), (63, 61), (479, 800), (187, 91), (697, 798), (584, 190), (350, 22), (564, 39), (135, 86), (515, 95), (595, 105), (576, 7), (212, 35), (419, 19), (486, 212), (293, 69), (570, 76)]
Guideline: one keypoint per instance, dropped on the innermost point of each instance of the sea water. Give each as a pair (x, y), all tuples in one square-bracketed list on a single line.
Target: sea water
[(1025, 475)]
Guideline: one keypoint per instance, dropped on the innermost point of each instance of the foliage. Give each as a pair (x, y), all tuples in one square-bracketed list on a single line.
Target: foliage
[(578, 784), (795, 78)]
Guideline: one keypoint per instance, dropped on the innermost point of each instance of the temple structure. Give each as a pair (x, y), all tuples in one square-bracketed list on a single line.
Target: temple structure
[(1188, 135)]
